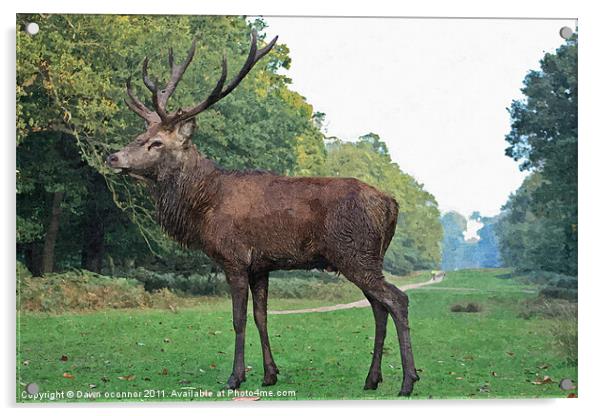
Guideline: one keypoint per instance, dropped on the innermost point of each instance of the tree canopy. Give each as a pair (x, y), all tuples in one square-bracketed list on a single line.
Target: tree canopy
[(538, 228)]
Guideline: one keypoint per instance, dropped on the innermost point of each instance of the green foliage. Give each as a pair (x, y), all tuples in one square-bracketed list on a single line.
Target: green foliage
[(79, 290), (530, 240), (538, 230)]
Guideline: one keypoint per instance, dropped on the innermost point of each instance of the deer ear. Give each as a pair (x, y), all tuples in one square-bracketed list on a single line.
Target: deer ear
[(185, 130)]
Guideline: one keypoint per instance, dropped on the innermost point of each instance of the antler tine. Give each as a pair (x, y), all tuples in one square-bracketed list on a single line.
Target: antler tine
[(253, 57), (176, 74), (138, 106), (218, 92), (152, 86), (147, 81)]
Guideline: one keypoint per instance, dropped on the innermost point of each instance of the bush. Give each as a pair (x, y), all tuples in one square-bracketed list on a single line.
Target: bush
[(78, 290), (193, 284), (470, 308), (320, 276), (559, 293), (554, 285), (22, 270), (561, 315)]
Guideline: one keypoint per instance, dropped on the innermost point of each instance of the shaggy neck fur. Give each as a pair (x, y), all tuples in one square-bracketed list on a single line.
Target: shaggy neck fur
[(183, 196)]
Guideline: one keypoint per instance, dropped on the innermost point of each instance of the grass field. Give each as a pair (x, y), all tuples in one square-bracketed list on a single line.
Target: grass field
[(162, 355)]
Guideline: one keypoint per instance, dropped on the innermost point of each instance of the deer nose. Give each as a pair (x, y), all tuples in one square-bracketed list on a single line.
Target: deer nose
[(113, 158)]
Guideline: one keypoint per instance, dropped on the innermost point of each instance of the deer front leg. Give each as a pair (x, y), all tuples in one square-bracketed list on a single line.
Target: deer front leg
[(239, 288), (259, 290)]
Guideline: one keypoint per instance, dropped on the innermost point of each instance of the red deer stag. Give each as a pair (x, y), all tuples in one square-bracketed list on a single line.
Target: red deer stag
[(251, 223)]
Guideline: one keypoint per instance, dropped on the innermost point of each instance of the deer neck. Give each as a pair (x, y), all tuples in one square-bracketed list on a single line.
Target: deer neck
[(184, 194)]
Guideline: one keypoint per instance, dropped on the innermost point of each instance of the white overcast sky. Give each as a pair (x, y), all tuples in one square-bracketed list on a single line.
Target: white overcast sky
[(435, 90)]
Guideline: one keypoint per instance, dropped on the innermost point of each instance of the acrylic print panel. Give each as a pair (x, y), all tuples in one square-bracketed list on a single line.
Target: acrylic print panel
[(379, 173)]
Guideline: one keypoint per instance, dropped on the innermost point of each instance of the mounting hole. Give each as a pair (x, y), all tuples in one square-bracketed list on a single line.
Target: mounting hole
[(566, 384), (32, 388), (566, 32), (32, 28)]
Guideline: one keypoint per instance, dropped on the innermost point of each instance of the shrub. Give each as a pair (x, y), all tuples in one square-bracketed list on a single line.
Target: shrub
[(192, 284), (564, 330), (470, 308), (559, 293), (79, 290), (561, 315)]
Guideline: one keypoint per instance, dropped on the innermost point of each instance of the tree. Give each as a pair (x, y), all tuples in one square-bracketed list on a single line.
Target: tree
[(453, 251), (543, 138)]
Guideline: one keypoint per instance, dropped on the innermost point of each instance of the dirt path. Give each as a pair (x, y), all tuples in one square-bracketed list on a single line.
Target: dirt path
[(359, 304)]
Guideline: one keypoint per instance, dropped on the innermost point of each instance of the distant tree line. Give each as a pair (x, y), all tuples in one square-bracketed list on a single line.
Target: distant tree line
[(537, 229), (461, 253), (73, 213)]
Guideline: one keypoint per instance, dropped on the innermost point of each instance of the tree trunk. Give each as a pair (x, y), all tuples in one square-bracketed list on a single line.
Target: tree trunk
[(93, 244), (33, 257), (52, 233)]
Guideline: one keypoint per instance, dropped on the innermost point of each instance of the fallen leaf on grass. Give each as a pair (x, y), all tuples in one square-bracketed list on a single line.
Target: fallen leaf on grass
[(494, 374), (64, 358), (212, 365), (545, 380), (129, 377), (26, 362), (543, 366), (68, 375), (459, 378), (164, 372), (92, 386), (104, 379), (510, 353)]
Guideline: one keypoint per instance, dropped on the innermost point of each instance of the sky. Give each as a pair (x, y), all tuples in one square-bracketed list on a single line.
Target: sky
[(435, 90)]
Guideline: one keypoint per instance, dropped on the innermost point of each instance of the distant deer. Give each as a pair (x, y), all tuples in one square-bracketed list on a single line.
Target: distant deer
[(251, 223)]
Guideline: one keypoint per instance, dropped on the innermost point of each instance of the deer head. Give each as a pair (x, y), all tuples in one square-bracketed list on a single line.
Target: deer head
[(167, 136)]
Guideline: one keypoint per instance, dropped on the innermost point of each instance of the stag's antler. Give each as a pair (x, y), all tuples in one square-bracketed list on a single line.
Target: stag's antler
[(161, 96)]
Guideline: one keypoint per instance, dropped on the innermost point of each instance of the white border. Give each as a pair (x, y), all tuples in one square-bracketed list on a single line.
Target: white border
[(590, 41)]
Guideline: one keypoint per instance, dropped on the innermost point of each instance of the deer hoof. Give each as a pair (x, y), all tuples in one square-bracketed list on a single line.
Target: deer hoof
[(408, 386), (372, 381), (269, 379), (234, 382)]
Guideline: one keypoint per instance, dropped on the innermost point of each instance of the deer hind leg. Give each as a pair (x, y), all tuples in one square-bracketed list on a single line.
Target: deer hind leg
[(380, 319), (239, 288), (259, 290), (396, 303)]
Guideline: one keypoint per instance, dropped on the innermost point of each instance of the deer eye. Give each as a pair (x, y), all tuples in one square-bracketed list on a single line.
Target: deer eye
[(155, 145)]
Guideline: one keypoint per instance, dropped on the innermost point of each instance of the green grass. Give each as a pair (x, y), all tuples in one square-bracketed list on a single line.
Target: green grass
[(320, 355)]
